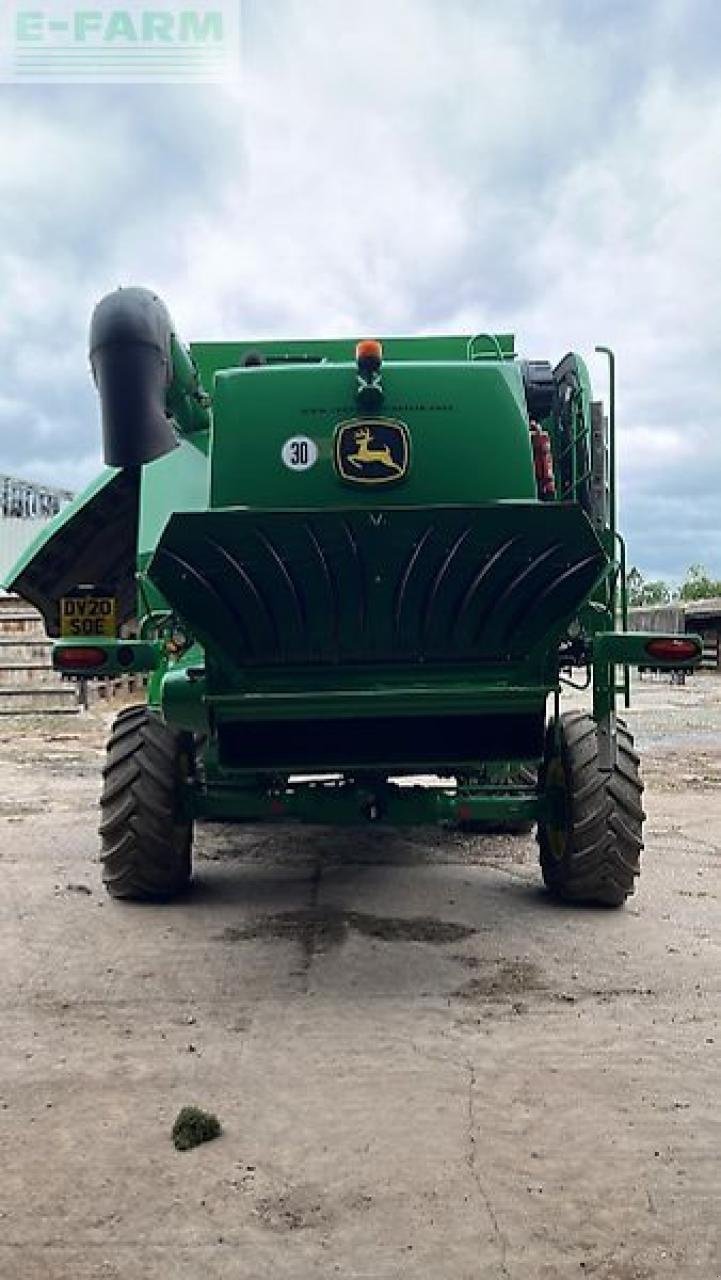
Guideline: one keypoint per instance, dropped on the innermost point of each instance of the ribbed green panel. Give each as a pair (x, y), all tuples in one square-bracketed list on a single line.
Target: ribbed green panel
[(403, 585)]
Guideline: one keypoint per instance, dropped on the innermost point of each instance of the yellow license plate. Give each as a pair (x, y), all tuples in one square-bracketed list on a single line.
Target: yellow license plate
[(87, 616)]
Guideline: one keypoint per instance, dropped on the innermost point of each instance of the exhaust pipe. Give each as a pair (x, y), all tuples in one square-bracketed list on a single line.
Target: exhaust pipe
[(131, 356)]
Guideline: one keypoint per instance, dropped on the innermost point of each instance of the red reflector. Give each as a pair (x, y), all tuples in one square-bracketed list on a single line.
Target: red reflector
[(673, 649), (79, 656)]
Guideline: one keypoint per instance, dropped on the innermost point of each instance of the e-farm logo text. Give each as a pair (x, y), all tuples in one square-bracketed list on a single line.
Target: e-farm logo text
[(163, 42)]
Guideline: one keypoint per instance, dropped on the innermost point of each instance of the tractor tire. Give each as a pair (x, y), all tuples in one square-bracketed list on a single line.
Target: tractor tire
[(146, 837), (590, 849)]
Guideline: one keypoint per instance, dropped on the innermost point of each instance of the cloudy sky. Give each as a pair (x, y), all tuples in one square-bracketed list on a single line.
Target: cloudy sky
[(552, 167)]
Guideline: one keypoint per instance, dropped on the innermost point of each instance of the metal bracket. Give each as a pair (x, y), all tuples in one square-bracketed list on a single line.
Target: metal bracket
[(369, 391), (607, 740), (599, 468)]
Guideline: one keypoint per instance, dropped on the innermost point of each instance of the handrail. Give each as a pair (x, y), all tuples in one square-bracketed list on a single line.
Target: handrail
[(570, 450), (490, 337), (606, 351), (620, 540)]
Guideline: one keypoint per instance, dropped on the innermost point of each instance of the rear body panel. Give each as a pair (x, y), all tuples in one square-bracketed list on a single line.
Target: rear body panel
[(469, 438)]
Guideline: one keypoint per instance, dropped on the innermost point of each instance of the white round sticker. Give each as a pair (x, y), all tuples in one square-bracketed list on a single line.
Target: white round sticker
[(299, 453)]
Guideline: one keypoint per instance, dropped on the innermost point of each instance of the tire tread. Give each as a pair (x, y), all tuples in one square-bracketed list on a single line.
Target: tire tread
[(604, 832), (146, 844)]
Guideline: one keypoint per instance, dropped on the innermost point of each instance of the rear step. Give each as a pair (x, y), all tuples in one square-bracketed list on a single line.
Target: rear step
[(38, 699)]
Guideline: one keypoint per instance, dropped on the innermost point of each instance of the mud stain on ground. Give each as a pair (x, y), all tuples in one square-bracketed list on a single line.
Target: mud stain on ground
[(320, 928)]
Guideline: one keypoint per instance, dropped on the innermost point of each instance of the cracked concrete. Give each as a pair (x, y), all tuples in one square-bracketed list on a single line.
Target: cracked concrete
[(500, 1239)]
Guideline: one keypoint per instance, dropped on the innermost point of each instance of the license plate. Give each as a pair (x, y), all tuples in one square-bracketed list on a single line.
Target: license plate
[(87, 616)]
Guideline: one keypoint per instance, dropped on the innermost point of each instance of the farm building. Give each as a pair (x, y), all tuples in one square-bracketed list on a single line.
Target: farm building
[(27, 682), (24, 509)]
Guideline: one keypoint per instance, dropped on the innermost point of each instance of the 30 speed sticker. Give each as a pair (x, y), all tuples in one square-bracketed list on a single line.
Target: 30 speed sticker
[(299, 453)]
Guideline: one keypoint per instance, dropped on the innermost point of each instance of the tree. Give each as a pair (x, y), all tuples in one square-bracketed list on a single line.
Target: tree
[(642, 593), (657, 592), (699, 585), (634, 586)]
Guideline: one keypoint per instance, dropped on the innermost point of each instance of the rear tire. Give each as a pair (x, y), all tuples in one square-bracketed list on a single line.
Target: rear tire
[(590, 848), (146, 835)]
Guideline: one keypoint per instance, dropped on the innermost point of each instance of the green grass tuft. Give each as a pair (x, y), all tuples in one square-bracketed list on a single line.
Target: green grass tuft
[(193, 1126)]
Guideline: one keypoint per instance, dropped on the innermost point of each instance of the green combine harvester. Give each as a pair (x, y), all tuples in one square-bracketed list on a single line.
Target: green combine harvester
[(344, 566)]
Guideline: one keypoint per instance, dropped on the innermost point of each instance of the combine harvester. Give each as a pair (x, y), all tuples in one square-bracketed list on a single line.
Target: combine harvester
[(343, 565)]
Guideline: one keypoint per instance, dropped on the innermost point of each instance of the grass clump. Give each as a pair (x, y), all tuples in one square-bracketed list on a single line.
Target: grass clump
[(193, 1126)]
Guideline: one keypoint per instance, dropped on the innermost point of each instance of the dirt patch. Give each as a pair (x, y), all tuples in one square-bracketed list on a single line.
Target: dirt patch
[(617, 1271), (501, 979), (618, 993), (295, 1210), (14, 809)]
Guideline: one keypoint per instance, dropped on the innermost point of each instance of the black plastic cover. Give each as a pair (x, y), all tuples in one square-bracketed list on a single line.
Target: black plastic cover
[(130, 355), (97, 545), (540, 388), (402, 741)]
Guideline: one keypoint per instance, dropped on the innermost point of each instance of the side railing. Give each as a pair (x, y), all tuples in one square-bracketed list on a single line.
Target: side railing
[(576, 479), (619, 599)]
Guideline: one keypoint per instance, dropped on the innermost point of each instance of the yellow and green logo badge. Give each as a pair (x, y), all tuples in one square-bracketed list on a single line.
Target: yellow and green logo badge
[(372, 450)]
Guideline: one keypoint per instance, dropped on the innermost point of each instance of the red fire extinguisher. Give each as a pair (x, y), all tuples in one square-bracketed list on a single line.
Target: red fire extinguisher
[(543, 462)]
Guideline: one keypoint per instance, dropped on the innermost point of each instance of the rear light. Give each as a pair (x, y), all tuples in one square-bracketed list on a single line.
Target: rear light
[(85, 656), (673, 649)]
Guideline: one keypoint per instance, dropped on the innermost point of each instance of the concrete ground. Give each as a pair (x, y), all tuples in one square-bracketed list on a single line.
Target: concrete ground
[(422, 1065)]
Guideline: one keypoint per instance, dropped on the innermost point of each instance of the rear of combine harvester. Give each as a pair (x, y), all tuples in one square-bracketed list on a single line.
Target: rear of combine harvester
[(358, 562)]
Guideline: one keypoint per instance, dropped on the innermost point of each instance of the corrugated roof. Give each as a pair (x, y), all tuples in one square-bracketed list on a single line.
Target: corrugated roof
[(689, 608)]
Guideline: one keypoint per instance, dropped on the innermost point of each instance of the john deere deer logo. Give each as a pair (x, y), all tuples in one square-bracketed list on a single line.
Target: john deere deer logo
[(372, 451)]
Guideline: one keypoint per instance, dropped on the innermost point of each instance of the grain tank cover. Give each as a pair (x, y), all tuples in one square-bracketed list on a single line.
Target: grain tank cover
[(465, 424)]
